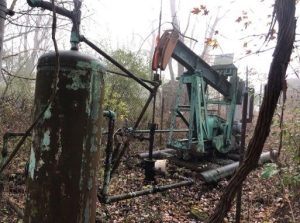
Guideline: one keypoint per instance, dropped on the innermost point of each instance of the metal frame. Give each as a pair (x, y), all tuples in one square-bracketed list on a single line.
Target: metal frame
[(201, 124)]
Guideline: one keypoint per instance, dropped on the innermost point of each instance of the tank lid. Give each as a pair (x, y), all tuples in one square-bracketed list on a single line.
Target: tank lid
[(70, 58)]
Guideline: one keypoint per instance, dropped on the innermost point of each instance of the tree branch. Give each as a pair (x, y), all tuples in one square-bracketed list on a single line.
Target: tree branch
[(285, 14)]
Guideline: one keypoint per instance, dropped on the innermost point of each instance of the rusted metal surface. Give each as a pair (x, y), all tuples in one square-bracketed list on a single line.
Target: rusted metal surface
[(64, 156), (163, 52)]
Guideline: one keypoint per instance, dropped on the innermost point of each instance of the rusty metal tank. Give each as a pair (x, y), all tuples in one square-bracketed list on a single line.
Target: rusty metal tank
[(61, 185)]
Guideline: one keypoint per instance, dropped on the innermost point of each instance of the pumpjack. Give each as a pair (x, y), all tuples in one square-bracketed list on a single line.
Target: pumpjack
[(207, 131)]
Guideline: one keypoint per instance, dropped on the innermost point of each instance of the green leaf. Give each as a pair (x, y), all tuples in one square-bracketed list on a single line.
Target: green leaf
[(270, 169)]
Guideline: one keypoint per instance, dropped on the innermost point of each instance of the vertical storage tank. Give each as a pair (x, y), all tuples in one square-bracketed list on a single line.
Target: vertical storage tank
[(61, 184)]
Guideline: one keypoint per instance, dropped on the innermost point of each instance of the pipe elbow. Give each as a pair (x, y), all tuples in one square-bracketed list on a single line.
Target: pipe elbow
[(110, 114), (33, 3)]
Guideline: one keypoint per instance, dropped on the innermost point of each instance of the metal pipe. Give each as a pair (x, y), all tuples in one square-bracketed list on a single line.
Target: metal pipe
[(152, 127), (159, 130), (113, 61), (143, 111), (182, 118), (108, 151), (154, 83), (154, 189), (251, 108), (215, 175), (162, 116), (157, 153), (76, 19), (149, 162)]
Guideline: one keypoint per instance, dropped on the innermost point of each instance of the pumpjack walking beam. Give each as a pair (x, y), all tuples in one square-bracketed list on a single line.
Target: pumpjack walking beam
[(171, 46)]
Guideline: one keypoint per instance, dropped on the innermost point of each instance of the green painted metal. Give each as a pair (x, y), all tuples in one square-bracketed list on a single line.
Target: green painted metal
[(74, 16), (207, 132), (193, 63), (110, 114)]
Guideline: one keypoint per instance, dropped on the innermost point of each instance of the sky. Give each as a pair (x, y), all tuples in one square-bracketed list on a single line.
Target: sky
[(126, 24)]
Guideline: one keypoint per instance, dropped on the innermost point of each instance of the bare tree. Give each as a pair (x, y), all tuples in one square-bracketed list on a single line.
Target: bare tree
[(3, 8), (176, 25)]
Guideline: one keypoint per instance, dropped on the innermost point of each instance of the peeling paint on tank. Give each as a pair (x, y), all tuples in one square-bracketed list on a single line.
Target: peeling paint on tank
[(31, 164), (81, 173), (47, 114), (46, 141), (40, 164), (95, 95), (94, 65), (58, 154), (84, 144), (77, 82), (87, 107), (59, 151)]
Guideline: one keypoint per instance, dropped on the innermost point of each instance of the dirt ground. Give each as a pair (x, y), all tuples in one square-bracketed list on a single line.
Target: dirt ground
[(263, 200)]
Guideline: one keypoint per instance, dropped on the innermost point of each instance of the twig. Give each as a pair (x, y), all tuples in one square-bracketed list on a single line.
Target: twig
[(16, 76), (254, 52)]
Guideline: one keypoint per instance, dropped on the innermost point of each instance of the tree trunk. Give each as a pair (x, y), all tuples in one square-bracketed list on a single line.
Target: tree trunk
[(210, 30), (285, 14), (175, 23), (3, 7)]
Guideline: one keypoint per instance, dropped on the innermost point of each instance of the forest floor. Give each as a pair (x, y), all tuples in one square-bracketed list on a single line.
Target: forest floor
[(263, 200)]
